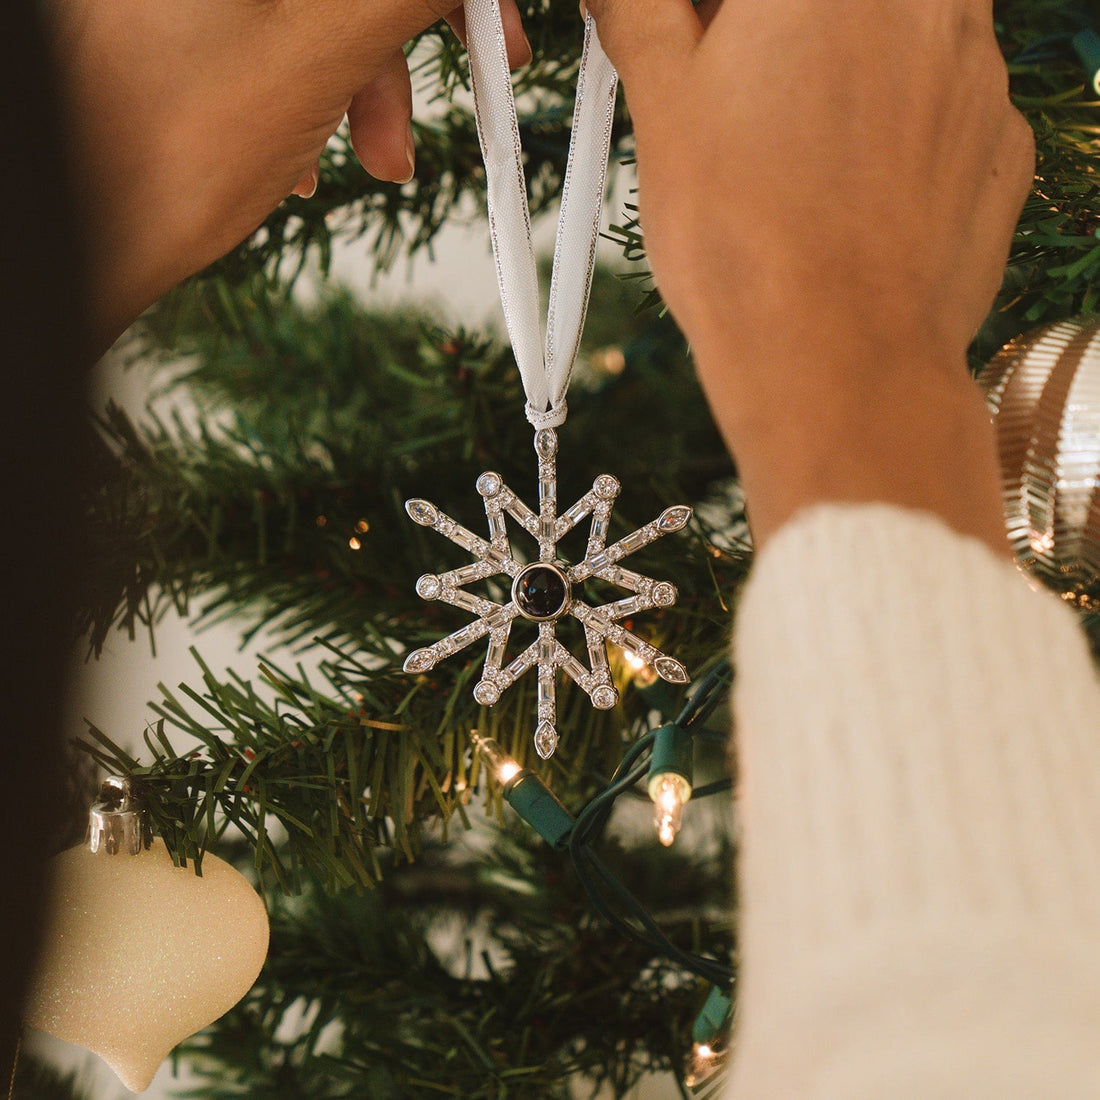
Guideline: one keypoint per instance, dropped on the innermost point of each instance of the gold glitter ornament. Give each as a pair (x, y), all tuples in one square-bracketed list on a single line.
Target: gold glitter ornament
[(139, 953), (1044, 389)]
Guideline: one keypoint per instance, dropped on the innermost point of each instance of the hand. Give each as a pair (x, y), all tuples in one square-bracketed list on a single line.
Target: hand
[(828, 192), (190, 123)]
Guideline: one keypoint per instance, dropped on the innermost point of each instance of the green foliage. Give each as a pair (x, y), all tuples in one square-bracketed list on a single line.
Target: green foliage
[(37, 1080), (289, 514), (481, 977)]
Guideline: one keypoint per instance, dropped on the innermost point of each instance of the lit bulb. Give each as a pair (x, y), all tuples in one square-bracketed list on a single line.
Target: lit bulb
[(669, 792), (640, 672), (704, 1061), (503, 767)]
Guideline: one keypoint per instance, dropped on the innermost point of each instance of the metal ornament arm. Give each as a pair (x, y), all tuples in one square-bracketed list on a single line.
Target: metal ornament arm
[(543, 592)]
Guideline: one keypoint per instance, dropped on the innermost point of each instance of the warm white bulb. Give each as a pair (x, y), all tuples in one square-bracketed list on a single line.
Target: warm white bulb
[(669, 792), (704, 1061), (508, 770), (140, 954), (501, 764)]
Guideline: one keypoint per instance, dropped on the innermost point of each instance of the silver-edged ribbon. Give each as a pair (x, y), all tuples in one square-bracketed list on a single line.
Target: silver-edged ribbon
[(544, 367)]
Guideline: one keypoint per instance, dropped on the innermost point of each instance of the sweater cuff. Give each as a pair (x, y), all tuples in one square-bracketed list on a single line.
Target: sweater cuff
[(918, 737)]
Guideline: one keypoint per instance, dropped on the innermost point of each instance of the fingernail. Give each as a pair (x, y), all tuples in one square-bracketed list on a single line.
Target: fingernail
[(410, 152), (306, 187)]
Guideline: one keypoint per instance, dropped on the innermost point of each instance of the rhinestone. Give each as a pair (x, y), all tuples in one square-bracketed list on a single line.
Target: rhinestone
[(604, 697), (606, 487), (420, 660), (488, 485), (571, 515), (519, 666), (546, 692), (467, 573), (486, 693), (461, 598), (546, 740), (421, 511), (498, 619), (636, 540), (664, 594), (671, 670), (674, 519), (466, 635), (495, 655), (546, 446), (429, 586), (599, 561), (574, 668), (541, 592)]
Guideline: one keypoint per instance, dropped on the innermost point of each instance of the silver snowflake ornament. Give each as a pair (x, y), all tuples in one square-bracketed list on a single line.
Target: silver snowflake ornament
[(544, 591)]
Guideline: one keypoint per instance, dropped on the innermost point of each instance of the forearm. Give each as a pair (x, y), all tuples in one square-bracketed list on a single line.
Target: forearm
[(855, 431)]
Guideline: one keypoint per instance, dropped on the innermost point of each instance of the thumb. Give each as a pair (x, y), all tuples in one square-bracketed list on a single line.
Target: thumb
[(647, 41)]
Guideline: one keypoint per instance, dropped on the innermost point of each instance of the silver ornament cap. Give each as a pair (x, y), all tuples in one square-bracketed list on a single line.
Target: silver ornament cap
[(116, 823)]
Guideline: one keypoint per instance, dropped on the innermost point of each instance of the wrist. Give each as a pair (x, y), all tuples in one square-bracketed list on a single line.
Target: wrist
[(808, 429)]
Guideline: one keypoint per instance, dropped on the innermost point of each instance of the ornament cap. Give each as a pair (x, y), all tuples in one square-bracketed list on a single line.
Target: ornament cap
[(117, 823)]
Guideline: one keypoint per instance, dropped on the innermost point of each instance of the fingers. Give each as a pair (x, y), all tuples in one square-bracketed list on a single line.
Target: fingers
[(379, 115), (379, 122), (645, 38), (515, 40)]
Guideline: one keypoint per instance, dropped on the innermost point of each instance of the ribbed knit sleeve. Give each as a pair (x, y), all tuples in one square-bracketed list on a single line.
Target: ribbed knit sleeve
[(918, 734)]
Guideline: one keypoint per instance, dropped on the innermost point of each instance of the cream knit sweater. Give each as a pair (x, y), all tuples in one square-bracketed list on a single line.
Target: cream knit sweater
[(919, 740)]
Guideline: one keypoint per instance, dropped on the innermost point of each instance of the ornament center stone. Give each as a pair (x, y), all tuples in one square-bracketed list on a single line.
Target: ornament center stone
[(541, 592)]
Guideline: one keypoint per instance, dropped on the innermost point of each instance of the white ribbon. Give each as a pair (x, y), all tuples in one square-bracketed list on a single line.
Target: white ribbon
[(545, 371)]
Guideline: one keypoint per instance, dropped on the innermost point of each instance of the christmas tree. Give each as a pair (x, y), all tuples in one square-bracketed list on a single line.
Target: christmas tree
[(405, 962)]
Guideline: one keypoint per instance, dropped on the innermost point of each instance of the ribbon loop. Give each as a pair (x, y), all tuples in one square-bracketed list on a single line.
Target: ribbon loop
[(545, 369)]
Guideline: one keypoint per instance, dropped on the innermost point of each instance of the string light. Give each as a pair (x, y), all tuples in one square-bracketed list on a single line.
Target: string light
[(503, 767), (361, 528), (641, 673), (665, 754), (709, 1049), (669, 781), (526, 793)]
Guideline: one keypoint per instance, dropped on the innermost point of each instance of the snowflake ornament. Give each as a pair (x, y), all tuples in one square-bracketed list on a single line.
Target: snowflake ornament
[(543, 591)]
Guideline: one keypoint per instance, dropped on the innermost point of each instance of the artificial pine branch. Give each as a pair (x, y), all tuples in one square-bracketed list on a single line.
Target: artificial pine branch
[(472, 978), (37, 1080), (293, 511)]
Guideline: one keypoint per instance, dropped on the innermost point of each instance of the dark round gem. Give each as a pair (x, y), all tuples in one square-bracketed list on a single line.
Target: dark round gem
[(541, 592)]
